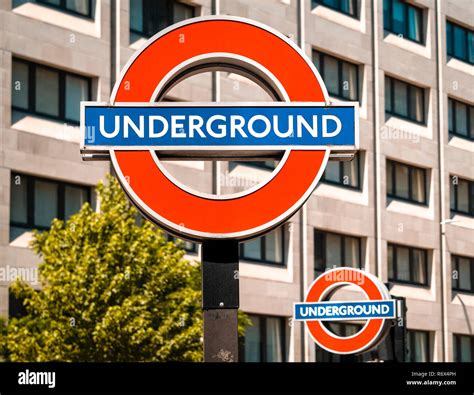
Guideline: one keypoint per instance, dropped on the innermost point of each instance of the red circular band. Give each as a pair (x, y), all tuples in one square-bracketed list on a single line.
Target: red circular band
[(197, 216), (366, 335)]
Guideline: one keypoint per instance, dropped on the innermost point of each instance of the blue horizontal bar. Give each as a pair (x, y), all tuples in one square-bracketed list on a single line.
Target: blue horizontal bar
[(219, 126), (325, 311)]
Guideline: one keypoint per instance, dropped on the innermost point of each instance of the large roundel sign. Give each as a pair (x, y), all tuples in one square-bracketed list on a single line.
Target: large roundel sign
[(137, 131), (377, 311)]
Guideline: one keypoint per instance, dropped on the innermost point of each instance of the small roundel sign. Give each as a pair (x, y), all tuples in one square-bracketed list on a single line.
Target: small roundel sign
[(377, 311)]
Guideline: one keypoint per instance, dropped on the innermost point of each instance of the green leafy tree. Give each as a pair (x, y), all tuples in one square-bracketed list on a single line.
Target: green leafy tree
[(3, 343), (112, 290)]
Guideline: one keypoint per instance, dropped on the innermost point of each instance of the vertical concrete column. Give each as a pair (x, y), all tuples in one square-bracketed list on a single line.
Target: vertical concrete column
[(441, 169), (377, 153), (303, 216)]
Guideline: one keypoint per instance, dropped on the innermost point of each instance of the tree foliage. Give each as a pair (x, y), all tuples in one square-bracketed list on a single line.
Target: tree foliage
[(112, 290)]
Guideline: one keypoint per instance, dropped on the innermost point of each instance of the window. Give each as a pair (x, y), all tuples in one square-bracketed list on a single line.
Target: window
[(463, 273), (79, 7), (48, 92), (460, 42), (463, 348), (404, 100), (418, 346), (343, 173), (407, 264), (341, 77), (348, 7), (460, 119), (265, 249), (188, 246), (462, 196), (35, 202), (265, 340), (406, 182), (342, 330), (16, 307), (404, 19), (146, 18), (336, 250)]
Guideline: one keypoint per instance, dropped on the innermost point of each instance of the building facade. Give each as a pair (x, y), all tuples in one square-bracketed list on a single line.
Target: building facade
[(403, 209)]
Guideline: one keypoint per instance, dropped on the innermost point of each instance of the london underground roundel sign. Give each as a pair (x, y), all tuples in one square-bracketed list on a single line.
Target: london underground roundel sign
[(378, 310), (137, 131)]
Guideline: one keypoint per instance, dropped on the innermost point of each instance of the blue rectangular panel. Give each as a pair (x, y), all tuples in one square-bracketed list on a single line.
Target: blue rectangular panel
[(208, 126), (329, 311)]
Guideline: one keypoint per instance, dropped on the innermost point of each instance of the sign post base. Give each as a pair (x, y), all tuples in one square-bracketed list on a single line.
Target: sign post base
[(220, 299)]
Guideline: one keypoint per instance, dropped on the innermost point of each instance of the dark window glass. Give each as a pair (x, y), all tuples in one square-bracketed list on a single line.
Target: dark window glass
[(407, 264), (266, 249), (406, 182), (74, 198), (20, 88), (462, 196), (45, 203), (188, 246), (460, 37), (146, 18), (418, 345), (400, 103), (343, 173), (463, 348), (16, 307), (48, 92), (404, 100), (77, 90), (460, 119), (388, 96), (470, 47), (136, 16), (348, 7), (403, 19), (463, 273), (19, 200), (79, 7), (449, 38), (341, 77), (35, 202), (336, 250), (50, 2), (460, 42), (265, 340)]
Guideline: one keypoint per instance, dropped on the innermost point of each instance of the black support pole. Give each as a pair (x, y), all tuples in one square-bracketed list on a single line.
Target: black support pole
[(220, 299)]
